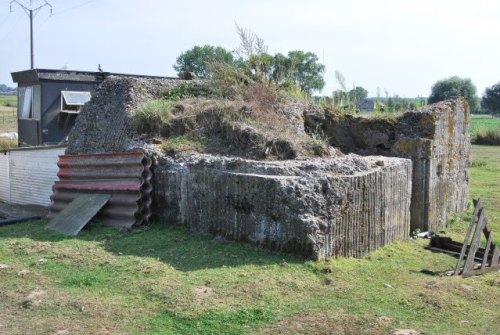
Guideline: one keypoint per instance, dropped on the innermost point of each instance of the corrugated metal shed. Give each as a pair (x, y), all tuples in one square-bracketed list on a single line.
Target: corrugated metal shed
[(126, 176), (27, 174)]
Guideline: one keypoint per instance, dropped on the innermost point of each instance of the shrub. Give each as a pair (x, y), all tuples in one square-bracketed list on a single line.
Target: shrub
[(488, 137)]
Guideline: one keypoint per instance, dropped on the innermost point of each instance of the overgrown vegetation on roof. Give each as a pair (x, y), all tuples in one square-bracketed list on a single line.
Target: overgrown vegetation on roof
[(234, 114)]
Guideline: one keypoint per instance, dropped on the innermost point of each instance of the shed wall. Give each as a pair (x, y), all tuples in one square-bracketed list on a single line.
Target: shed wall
[(56, 125)]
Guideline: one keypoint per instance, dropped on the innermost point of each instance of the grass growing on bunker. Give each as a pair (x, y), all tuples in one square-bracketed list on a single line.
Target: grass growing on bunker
[(162, 280), (253, 122)]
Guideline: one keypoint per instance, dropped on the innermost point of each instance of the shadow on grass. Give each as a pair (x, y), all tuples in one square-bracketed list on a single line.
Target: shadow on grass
[(173, 245)]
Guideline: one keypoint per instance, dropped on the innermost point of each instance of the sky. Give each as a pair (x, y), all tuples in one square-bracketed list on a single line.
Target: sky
[(399, 46)]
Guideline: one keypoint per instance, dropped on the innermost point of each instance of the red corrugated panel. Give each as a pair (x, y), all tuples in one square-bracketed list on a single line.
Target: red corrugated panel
[(126, 176)]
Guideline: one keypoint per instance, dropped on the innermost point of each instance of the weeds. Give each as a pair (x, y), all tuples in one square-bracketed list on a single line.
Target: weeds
[(153, 116), (479, 163), (488, 137)]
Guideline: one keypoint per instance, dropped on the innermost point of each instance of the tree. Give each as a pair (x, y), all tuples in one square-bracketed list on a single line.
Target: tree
[(491, 99), (196, 59), (455, 87), (358, 94), (306, 71), (6, 89)]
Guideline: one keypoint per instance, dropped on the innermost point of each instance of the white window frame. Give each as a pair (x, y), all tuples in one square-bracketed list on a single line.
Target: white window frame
[(73, 107)]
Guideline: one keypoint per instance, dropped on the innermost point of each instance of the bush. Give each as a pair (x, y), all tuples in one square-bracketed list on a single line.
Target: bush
[(489, 137)]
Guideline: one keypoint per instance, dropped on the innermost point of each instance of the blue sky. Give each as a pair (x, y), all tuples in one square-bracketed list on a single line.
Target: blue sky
[(401, 46)]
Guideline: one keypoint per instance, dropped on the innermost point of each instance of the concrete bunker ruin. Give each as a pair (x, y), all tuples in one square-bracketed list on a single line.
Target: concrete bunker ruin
[(341, 204)]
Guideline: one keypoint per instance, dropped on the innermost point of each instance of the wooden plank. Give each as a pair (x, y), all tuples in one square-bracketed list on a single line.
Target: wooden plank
[(481, 270), (478, 206), (476, 240), (487, 250), (78, 213), (495, 260)]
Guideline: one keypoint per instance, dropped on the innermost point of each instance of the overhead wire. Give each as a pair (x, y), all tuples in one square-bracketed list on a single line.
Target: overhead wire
[(12, 27), (74, 7)]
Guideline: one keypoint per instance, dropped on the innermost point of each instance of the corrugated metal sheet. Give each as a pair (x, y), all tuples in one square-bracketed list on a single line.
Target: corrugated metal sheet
[(126, 176), (4, 177), (31, 174)]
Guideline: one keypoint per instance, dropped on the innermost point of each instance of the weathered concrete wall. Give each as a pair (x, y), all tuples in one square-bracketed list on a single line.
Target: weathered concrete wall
[(346, 206), (435, 138)]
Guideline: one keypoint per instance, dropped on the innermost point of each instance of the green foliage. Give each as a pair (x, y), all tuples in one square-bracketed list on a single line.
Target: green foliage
[(8, 100), (178, 92), (483, 125), (197, 59), (304, 69), (478, 163), (190, 90), (153, 116), (491, 99), (454, 87), (358, 94), (298, 68)]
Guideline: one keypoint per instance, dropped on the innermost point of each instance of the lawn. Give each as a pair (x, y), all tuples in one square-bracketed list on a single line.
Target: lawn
[(8, 113), (8, 100), (162, 280), (8, 120), (483, 124)]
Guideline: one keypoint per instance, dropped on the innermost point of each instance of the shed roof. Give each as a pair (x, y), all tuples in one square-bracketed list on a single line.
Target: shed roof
[(37, 75)]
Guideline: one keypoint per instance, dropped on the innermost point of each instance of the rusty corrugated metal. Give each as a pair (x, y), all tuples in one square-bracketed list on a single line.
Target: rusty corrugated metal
[(126, 176)]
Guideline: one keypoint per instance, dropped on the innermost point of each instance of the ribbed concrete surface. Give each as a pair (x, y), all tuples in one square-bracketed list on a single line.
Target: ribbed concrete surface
[(435, 138), (309, 208)]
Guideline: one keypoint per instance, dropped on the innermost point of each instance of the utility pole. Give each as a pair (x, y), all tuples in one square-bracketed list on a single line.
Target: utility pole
[(31, 12)]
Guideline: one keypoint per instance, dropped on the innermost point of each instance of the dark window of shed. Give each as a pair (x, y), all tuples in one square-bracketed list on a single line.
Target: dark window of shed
[(72, 102)]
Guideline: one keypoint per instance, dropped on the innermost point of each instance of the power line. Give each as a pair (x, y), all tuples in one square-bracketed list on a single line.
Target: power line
[(31, 12), (74, 7)]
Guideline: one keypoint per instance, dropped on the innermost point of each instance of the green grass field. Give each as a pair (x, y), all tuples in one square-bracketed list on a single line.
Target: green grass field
[(162, 280), (483, 124), (8, 118), (8, 100)]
